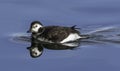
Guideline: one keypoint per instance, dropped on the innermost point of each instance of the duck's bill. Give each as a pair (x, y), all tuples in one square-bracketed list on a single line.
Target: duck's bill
[(28, 31)]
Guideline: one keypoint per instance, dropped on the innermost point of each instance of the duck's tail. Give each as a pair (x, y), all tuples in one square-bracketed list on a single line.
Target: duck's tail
[(74, 27)]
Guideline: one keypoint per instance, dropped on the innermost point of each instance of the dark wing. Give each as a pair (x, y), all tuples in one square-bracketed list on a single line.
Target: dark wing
[(55, 33)]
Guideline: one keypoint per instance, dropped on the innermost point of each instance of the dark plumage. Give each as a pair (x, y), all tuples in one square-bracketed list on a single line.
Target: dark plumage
[(56, 33)]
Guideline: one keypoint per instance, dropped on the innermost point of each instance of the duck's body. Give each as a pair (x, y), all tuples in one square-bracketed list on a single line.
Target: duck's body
[(58, 34), (54, 34)]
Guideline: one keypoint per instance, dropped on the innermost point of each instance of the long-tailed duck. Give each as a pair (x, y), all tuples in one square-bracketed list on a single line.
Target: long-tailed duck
[(54, 34)]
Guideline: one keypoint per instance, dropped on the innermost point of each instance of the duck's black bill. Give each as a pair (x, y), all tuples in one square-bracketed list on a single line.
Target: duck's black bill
[(28, 31)]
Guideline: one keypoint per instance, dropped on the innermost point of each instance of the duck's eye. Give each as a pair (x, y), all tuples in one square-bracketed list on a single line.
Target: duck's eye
[(35, 26)]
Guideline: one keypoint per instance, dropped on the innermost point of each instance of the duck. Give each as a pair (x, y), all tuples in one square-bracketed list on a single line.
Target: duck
[(55, 34)]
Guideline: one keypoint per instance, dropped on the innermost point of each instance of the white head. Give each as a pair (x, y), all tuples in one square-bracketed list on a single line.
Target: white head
[(35, 26)]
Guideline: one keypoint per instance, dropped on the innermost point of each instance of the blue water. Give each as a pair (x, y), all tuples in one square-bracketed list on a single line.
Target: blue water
[(16, 16)]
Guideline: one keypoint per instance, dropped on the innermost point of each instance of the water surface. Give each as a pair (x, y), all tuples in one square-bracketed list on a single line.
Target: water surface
[(16, 16)]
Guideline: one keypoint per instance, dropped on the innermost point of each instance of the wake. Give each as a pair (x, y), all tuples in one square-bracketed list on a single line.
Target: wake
[(109, 34)]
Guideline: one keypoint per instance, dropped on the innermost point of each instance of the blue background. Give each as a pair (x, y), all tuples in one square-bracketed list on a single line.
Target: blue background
[(16, 16)]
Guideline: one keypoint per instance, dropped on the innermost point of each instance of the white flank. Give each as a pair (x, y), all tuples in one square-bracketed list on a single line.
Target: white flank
[(71, 37)]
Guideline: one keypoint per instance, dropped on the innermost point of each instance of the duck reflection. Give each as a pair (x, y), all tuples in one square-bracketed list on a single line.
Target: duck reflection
[(36, 49)]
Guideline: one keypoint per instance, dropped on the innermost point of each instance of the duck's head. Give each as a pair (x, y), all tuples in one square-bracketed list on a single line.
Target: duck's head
[(35, 26)]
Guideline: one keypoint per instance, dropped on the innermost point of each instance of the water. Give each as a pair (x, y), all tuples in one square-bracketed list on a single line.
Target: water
[(92, 55)]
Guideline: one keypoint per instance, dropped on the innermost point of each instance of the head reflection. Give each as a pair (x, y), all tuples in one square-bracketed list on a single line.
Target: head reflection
[(36, 49)]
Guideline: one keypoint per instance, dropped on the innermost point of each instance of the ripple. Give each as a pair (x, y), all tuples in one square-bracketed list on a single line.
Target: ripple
[(20, 37)]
